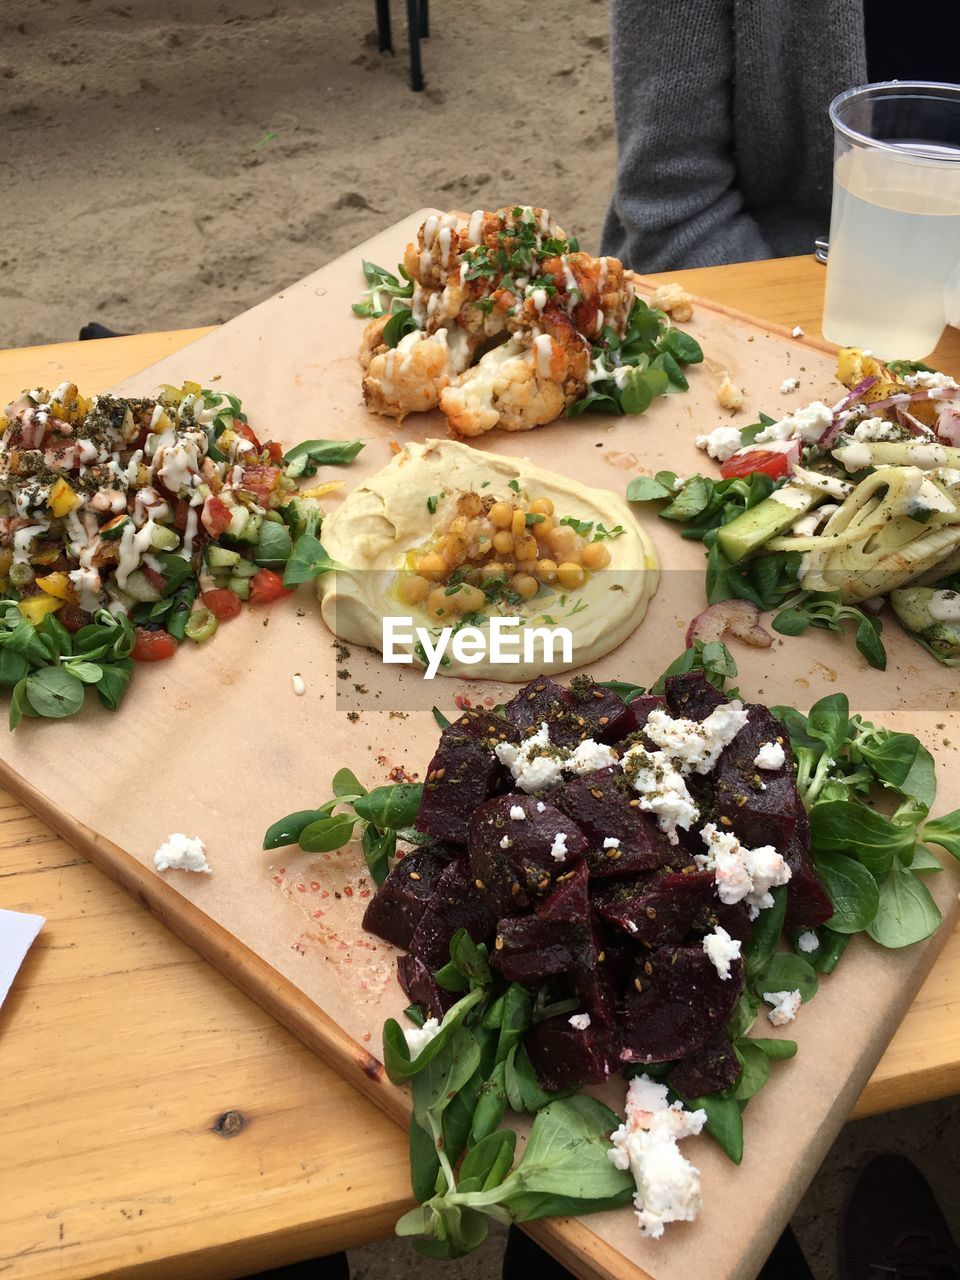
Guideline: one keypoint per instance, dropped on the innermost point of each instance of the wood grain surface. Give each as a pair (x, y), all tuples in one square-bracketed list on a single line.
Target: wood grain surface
[(121, 1049)]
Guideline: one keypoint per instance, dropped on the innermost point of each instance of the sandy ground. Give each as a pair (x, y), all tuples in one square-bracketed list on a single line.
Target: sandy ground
[(171, 163), (168, 164)]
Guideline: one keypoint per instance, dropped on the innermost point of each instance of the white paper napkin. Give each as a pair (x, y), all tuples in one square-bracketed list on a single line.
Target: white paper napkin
[(17, 932)]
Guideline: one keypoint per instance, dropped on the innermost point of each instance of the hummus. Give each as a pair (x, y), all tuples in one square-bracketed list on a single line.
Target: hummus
[(391, 526)]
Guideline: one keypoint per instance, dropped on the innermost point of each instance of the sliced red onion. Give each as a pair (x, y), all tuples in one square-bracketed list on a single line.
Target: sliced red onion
[(913, 397), (842, 407), (739, 617), (948, 425), (910, 423)]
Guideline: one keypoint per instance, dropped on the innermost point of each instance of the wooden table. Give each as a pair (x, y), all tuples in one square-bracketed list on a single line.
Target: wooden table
[(154, 1122)]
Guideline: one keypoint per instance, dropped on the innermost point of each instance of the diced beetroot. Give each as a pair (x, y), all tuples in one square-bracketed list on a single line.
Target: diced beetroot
[(595, 987), (457, 903), (462, 774), (542, 701), (606, 717), (760, 803), (666, 907), (646, 703), (512, 858), (569, 899), (600, 803), (692, 696), (808, 903), (710, 1069), (564, 1058), (422, 988), (395, 909), (676, 1003), (530, 949)]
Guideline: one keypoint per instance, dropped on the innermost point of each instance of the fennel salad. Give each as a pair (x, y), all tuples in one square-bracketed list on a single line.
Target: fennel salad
[(833, 512)]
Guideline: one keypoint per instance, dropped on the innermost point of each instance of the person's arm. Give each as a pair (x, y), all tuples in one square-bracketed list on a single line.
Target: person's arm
[(676, 203)]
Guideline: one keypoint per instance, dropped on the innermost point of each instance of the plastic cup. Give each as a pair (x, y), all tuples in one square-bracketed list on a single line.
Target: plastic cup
[(895, 221)]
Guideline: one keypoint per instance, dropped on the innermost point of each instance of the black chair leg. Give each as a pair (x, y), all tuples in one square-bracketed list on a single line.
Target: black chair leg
[(384, 39), (413, 25), (424, 19)]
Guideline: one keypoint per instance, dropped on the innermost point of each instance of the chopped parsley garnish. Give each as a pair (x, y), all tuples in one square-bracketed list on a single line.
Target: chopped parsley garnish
[(583, 527), (534, 517), (514, 485), (432, 504)]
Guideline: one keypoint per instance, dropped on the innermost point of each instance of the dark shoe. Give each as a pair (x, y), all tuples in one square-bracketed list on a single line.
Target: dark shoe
[(786, 1262), (524, 1258), (892, 1227)]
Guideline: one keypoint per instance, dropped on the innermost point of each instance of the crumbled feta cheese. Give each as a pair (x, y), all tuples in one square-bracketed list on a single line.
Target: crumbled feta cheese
[(579, 1021), (722, 443), (741, 873), (662, 789), (505, 842), (674, 300), (181, 853), (632, 927), (786, 1006), (540, 806), (588, 756), (558, 850), (926, 381), (721, 949), (611, 842), (537, 764), (770, 756), (877, 429), (418, 1038), (729, 395), (518, 813), (788, 385), (695, 745), (299, 687), (808, 941), (944, 606), (807, 424), (796, 332), (668, 1185)]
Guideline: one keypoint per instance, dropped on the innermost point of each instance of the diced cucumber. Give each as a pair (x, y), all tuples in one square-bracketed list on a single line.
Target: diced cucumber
[(113, 529), (140, 589), (241, 586), (251, 528), (221, 558), (163, 538), (244, 569), (757, 525), (238, 519)]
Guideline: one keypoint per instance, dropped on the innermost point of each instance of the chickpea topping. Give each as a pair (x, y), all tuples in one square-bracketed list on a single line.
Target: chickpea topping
[(595, 556), (570, 575), (412, 588), (525, 585), (490, 538)]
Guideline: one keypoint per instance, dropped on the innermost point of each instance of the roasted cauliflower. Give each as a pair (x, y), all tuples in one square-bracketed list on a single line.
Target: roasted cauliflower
[(507, 309)]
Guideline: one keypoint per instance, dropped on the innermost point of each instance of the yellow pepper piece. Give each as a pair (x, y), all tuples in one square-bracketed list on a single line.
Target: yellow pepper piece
[(192, 388), (319, 490), (37, 607), (62, 498), (57, 585)]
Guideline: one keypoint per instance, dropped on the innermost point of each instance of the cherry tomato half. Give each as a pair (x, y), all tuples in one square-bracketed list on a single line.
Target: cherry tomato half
[(153, 646), (267, 586), (772, 462), (222, 603), (261, 481), (244, 429), (215, 516)]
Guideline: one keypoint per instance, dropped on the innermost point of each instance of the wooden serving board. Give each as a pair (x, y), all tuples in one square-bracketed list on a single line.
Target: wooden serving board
[(216, 744)]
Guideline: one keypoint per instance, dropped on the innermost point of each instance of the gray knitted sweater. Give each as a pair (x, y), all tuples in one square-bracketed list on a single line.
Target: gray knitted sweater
[(725, 149)]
